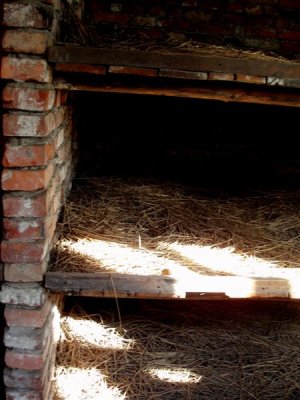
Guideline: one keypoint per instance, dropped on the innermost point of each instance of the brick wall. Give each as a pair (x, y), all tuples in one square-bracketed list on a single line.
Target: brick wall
[(37, 167), (270, 25)]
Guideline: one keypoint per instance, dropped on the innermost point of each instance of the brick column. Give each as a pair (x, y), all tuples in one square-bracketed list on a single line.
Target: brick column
[(37, 163)]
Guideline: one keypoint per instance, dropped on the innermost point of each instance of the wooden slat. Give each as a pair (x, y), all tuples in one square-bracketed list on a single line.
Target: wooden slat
[(226, 94), (194, 286), (203, 62)]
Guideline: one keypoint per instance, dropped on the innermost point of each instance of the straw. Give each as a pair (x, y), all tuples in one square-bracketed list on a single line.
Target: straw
[(182, 351), (135, 226)]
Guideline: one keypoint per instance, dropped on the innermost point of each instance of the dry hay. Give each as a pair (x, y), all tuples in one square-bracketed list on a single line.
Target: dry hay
[(237, 351), (131, 226)]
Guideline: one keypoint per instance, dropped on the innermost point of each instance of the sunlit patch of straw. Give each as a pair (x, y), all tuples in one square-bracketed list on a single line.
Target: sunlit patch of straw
[(178, 375)]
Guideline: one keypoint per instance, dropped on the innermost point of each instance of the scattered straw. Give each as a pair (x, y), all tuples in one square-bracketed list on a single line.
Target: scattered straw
[(131, 226), (180, 351)]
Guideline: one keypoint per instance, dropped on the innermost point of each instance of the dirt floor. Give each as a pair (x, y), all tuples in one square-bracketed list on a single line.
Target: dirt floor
[(138, 349)]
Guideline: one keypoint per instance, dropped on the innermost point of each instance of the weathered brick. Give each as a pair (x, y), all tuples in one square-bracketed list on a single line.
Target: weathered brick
[(33, 318), (33, 125), (29, 362), (23, 294), (40, 381), (63, 171), (64, 152), (25, 272), (116, 69), (28, 98), (23, 14), (22, 394), (32, 42), (23, 252), (251, 79), (27, 229), (27, 125), (27, 180), (37, 205), (221, 76), (25, 69), (172, 73), (30, 339), (22, 379), (27, 156)]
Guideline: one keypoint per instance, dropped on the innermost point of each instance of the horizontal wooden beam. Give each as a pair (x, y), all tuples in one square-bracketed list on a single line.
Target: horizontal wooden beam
[(194, 286), (201, 62), (268, 96)]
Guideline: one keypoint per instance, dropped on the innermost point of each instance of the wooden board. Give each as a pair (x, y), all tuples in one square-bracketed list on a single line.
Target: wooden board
[(202, 62), (271, 96), (195, 286)]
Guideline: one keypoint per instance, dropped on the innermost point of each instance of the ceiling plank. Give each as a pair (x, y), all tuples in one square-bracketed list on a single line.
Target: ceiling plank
[(254, 95)]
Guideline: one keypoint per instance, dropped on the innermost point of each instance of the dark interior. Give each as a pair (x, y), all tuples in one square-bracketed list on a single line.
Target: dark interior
[(227, 146)]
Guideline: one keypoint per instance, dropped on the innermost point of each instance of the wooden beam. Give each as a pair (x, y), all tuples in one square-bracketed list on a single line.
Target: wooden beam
[(200, 62), (268, 96), (200, 287)]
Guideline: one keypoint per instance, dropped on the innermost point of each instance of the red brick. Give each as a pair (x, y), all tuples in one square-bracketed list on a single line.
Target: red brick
[(25, 272), (27, 156), (220, 76), (29, 125), (82, 68), (33, 125), (251, 79), (32, 318), (17, 394), (290, 35), (29, 362), (116, 69), (61, 98), (292, 4), (64, 152), (26, 229), (28, 98), (15, 378), (33, 42), (35, 206), (27, 180), (22, 14), (25, 69), (23, 252)]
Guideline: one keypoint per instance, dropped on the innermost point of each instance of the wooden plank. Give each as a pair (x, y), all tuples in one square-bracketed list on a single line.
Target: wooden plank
[(111, 285), (192, 286), (226, 94), (204, 62)]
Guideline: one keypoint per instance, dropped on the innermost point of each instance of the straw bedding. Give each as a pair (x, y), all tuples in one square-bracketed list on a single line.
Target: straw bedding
[(134, 226), (233, 351)]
